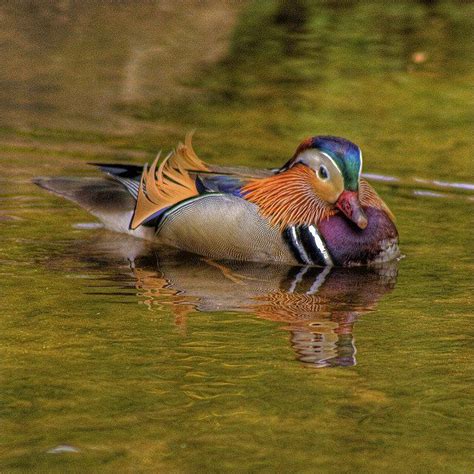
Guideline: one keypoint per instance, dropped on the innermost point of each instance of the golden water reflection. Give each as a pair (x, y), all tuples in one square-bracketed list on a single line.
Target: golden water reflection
[(317, 306)]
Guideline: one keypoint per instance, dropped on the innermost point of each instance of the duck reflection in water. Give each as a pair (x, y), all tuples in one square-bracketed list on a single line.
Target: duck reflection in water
[(317, 306)]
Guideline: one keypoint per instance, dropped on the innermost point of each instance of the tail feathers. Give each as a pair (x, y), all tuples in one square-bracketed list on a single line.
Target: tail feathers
[(123, 171), (97, 195), (106, 199)]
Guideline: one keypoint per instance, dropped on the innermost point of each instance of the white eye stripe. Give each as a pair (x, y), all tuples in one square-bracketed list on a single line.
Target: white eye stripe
[(312, 158), (360, 161), (329, 158)]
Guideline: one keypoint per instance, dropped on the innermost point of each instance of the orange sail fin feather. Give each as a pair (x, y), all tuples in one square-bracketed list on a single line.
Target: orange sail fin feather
[(288, 198), (167, 184)]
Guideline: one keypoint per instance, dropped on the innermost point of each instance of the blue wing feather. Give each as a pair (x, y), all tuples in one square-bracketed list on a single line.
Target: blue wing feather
[(219, 184)]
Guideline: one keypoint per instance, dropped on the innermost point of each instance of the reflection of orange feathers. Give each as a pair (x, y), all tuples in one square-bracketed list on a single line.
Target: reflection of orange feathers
[(155, 291), (167, 184), (294, 308)]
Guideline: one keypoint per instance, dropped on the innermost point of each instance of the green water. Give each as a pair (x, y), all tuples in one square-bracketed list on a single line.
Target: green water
[(118, 356)]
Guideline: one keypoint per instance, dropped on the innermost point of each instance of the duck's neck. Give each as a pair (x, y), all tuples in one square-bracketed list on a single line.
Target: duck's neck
[(287, 198)]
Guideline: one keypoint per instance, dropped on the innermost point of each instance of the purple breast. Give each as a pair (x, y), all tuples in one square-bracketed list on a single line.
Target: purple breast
[(350, 245)]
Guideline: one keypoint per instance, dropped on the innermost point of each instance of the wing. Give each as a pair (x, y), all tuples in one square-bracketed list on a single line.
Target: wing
[(116, 170), (222, 226), (219, 184), (178, 177)]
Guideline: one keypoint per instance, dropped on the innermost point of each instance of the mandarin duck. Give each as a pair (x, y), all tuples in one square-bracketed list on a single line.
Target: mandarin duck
[(314, 210)]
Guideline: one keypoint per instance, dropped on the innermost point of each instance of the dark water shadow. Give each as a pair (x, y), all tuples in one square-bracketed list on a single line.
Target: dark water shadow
[(317, 306)]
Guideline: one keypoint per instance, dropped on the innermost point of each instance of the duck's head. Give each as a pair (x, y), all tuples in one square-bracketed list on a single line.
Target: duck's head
[(336, 164)]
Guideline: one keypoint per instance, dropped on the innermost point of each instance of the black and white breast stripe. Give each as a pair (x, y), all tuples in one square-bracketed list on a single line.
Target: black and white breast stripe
[(307, 246)]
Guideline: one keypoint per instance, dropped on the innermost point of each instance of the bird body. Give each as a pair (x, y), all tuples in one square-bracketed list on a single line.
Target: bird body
[(315, 210)]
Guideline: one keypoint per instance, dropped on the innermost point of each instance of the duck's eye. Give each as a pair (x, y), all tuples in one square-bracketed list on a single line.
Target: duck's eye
[(323, 173)]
